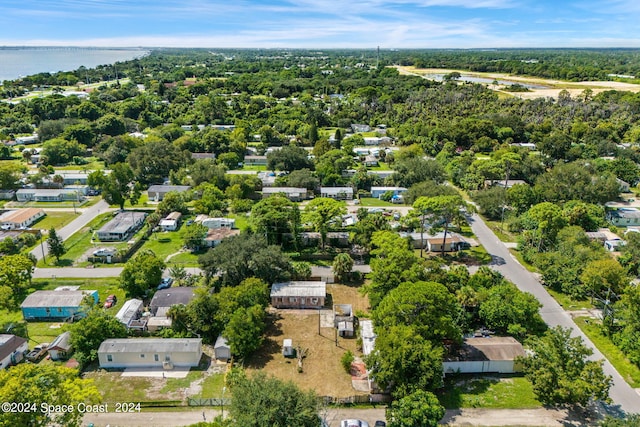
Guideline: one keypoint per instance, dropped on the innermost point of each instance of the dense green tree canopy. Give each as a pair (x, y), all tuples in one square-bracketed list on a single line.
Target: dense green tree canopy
[(560, 372), (262, 401)]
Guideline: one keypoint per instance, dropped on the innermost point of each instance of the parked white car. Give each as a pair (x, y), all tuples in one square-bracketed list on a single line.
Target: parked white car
[(354, 423)]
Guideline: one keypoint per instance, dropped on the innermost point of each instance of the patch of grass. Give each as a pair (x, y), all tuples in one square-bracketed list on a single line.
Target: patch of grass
[(175, 384), (55, 219), (212, 386), (382, 166), (185, 259), (500, 230), (242, 221), (373, 202), (258, 168), (115, 388), (516, 253), (489, 393), (478, 253), (592, 329), (569, 303)]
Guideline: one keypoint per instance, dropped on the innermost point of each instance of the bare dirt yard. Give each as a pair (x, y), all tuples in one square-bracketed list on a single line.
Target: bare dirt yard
[(322, 370)]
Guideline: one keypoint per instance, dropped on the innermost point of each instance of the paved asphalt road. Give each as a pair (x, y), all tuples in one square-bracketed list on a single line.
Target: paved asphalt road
[(552, 313), (83, 219)]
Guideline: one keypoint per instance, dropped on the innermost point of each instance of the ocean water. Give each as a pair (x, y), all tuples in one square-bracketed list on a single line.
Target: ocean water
[(16, 62)]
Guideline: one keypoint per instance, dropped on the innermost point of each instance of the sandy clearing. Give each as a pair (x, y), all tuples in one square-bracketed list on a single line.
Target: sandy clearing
[(574, 88)]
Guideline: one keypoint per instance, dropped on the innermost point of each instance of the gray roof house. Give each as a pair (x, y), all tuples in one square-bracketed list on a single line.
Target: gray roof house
[(122, 226), (624, 217), (292, 193), (176, 295), (165, 353), (301, 294), (157, 192), (12, 349)]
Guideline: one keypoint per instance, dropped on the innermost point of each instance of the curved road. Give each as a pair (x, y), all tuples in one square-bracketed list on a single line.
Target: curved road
[(623, 396)]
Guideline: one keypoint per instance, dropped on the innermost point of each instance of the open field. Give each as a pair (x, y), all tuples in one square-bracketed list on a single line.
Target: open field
[(495, 392), (322, 369), (55, 219), (552, 87)]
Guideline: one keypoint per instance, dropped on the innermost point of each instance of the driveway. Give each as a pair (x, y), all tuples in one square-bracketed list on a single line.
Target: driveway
[(77, 224), (623, 396)]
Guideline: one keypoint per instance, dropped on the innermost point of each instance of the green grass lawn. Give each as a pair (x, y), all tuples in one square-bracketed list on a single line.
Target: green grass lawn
[(372, 202), (55, 219), (115, 388), (212, 386), (499, 392), (569, 303), (500, 230), (258, 168), (592, 329), (382, 166)]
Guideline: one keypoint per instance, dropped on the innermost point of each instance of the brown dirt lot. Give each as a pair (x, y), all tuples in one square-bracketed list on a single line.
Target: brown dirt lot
[(322, 370)]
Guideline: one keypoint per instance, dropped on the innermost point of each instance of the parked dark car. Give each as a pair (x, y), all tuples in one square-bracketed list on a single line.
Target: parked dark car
[(380, 424), (165, 283)]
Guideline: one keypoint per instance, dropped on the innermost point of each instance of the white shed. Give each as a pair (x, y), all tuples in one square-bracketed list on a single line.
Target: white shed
[(221, 349)]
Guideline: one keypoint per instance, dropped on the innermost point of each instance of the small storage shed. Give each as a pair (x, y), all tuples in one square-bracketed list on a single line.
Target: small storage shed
[(60, 348), (287, 348), (221, 349)]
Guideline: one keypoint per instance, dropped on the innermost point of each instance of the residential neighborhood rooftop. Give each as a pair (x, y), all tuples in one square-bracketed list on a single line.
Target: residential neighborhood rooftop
[(141, 345), (301, 288)]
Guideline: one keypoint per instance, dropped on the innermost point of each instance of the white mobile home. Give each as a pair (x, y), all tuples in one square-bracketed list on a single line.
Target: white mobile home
[(150, 352)]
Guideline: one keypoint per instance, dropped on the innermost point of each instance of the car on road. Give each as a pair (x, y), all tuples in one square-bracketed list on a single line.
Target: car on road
[(37, 352), (110, 301), (165, 283), (353, 423), (380, 424)]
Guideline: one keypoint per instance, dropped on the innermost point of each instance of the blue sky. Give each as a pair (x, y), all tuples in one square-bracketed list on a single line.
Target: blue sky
[(322, 23)]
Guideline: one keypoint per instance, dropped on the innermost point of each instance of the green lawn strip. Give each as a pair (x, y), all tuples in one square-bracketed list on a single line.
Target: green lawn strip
[(258, 168), (569, 303), (504, 392), (518, 255), (212, 386), (372, 202), (382, 166), (629, 371), (55, 219), (500, 230), (184, 259)]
